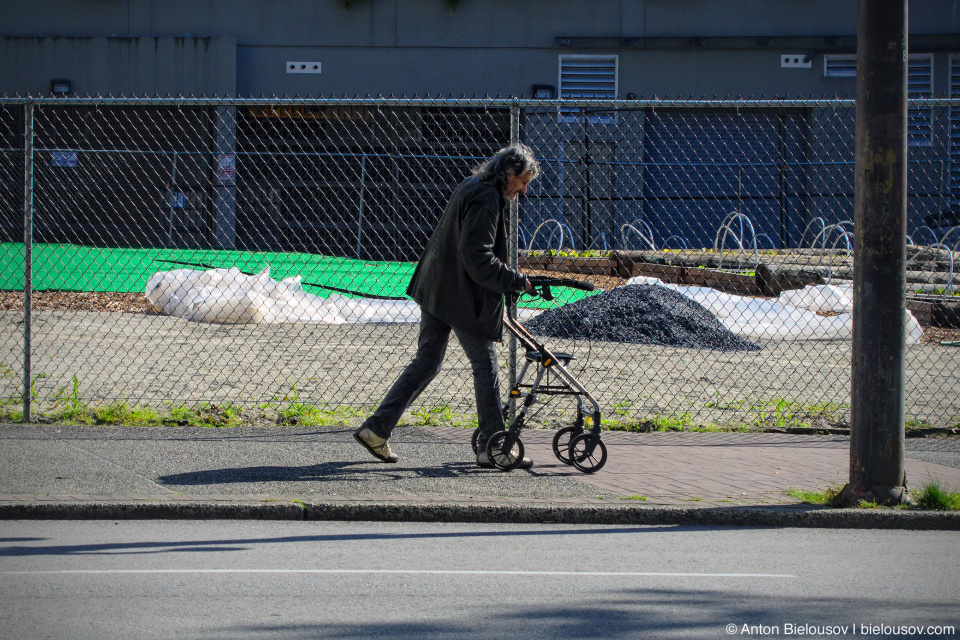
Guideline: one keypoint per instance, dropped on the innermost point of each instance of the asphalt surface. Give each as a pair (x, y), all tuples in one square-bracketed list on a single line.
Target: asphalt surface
[(254, 580), (320, 473)]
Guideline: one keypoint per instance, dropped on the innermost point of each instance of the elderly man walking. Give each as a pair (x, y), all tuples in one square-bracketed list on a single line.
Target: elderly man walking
[(459, 283)]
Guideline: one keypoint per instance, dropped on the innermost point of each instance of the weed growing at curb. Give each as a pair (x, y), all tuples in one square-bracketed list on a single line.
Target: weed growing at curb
[(930, 496), (935, 497), (829, 497)]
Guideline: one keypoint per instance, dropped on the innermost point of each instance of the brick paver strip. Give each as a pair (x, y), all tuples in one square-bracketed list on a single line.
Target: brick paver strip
[(714, 467)]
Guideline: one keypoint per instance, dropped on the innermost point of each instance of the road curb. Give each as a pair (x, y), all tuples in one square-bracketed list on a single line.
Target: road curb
[(802, 516)]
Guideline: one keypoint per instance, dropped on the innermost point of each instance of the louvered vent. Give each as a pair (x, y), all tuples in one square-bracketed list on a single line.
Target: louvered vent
[(588, 77), (955, 131), (840, 65), (920, 85)]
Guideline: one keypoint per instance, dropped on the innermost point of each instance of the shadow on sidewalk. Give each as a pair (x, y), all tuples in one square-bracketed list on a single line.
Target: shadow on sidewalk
[(325, 471)]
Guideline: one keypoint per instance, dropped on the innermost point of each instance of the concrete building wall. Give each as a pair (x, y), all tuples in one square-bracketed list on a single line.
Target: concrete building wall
[(424, 47), (126, 65)]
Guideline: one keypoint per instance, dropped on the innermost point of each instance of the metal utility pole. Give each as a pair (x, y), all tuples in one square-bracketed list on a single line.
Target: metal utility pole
[(880, 222)]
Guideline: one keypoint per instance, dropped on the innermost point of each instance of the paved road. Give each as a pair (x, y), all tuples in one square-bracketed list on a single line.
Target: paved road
[(219, 579)]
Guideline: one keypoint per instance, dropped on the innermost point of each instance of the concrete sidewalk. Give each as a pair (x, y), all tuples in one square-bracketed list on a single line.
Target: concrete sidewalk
[(321, 473)]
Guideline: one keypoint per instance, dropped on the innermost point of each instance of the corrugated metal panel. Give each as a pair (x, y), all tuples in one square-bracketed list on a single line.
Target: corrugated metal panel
[(701, 166)]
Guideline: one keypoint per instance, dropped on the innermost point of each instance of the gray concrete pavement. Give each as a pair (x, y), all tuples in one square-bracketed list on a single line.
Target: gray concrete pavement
[(321, 473)]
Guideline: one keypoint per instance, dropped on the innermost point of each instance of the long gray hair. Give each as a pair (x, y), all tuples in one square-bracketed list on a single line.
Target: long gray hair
[(509, 162)]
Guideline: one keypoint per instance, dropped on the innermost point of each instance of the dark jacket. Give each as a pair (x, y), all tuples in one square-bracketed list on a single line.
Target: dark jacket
[(462, 274)]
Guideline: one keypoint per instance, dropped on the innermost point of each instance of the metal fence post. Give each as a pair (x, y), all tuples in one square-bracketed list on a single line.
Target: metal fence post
[(514, 254), (225, 191), (27, 249)]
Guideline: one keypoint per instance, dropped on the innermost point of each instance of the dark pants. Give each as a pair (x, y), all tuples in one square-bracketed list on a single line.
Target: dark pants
[(431, 349)]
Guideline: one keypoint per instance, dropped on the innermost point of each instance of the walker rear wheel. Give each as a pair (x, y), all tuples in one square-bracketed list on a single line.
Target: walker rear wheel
[(473, 441), (561, 443), (588, 455), (503, 457)]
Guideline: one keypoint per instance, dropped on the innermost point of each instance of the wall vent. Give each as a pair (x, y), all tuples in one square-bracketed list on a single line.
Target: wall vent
[(588, 77), (840, 65)]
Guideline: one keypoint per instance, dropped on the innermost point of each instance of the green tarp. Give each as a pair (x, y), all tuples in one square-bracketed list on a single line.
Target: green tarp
[(66, 267)]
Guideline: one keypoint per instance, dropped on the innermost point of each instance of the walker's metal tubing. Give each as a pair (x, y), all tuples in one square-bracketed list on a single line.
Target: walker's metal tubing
[(528, 400), (519, 381), (551, 361)]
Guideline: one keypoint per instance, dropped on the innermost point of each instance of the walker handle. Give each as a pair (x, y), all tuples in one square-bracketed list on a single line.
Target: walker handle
[(544, 283)]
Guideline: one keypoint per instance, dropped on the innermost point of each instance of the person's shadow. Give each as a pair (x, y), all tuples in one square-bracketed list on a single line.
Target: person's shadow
[(321, 472)]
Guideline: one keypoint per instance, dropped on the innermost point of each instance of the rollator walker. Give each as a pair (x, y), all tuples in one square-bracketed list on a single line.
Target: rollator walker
[(573, 445)]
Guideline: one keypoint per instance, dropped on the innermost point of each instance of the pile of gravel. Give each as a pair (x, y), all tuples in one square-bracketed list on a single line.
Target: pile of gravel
[(640, 314)]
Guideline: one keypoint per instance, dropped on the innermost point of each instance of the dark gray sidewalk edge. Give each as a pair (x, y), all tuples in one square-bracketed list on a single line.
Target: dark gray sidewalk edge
[(806, 516)]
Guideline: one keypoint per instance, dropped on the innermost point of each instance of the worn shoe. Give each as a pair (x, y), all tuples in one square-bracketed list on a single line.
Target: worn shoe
[(483, 461), (376, 445)]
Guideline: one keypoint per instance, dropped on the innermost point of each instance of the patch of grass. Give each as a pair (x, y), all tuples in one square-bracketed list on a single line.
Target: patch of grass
[(120, 413), (933, 496), (182, 416), (317, 416), (34, 394), (658, 422), (443, 415), (434, 416), (67, 407), (291, 411), (640, 498), (299, 413), (623, 408), (778, 412), (930, 496), (829, 497), (12, 412), (219, 415)]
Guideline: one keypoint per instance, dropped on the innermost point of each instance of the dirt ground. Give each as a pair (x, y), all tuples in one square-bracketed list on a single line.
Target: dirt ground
[(117, 350)]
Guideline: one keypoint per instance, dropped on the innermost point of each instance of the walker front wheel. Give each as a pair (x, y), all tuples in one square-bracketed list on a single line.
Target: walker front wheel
[(504, 456), (474, 439), (588, 453)]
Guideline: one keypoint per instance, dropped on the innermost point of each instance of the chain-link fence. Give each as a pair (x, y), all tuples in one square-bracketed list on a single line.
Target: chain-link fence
[(743, 208)]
